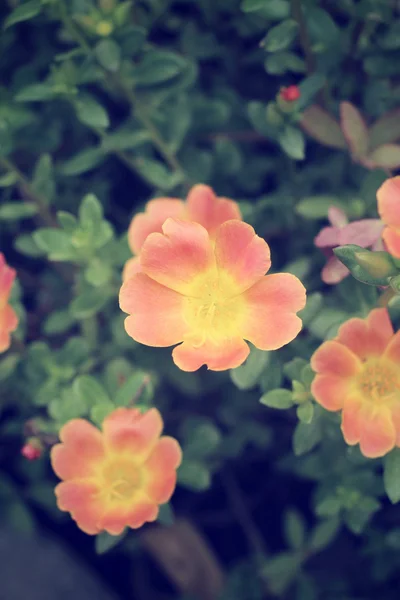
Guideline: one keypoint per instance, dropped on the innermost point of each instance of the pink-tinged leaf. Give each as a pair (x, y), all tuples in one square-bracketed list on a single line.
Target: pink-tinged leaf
[(385, 130), (321, 126), (386, 156), (354, 129)]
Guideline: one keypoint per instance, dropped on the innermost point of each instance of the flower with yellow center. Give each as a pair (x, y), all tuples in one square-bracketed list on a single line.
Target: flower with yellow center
[(209, 295), (359, 373), (117, 477)]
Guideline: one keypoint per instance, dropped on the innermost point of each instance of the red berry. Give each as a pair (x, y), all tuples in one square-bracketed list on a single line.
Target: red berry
[(291, 93), (31, 451)]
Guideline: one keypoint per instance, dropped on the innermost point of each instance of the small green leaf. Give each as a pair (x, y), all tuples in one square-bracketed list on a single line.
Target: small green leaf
[(280, 36), (36, 92), (90, 112), (280, 571), (329, 507), (305, 412), (279, 398), (391, 475), (88, 303), (8, 365), (323, 534), (15, 211), (55, 243), (373, 268), (23, 12), (292, 142), (194, 475), (105, 542), (293, 368), (306, 436), (43, 177), (354, 129), (90, 210), (137, 388), (90, 391), (166, 515), (58, 322), (202, 440), (83, 161), (158, 174), (99, 412), (8, 179), (295, 530), (246, 376), (316, 207), (320, 125), (157, 67), (108, 54), (27, 245)]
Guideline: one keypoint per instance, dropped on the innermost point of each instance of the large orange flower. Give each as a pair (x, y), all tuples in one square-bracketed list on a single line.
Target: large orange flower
[(359, 373), (201, 206), (8, 318), (210, 295), (389, 210), (117, 477)]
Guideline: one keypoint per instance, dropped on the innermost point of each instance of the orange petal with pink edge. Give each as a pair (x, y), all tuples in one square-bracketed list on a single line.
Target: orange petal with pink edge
[(80, 498), (143, 512), (175, 257), (241, 253), (388, 197), (335, 359), (204, 207), (377, 431), (391, 237), (80, 452), (351, 428), (128, 429), (330, 391), (228, 355), (367, 337), (393, 349), (161, 468), (132, 266), (151, 221), (395, 411), (272, 303), (7, 276), (156, 312)]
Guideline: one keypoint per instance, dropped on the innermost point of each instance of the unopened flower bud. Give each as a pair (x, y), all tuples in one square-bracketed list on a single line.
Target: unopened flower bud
[(376, 264), (290, 93), (104, 28), (32, 450)]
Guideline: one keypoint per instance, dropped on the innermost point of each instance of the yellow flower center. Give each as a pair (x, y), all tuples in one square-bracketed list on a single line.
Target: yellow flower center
[(214, 308), (121, 479), (380, 380)]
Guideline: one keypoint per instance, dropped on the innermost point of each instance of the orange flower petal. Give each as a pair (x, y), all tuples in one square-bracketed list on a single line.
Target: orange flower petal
[(151, 221), (393, 349), (162, 464), (330, 391), (229, 355), (80, 451), (156, 312), (128, 429), (395, 411), (272, 304), (204, 207), (335, 359), (7, 276), (391, 237), (145, 512), (351, 423), (241, 253), (80, 499), (367, 337), (377, 432), (176, 257), (388, 197), (132, 266)]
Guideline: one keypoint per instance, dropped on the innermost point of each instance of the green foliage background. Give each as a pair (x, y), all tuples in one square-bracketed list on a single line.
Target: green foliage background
[(106, 104)]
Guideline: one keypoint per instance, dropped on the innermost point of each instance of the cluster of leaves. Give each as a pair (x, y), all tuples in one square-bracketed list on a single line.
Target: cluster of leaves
[(107, 103)]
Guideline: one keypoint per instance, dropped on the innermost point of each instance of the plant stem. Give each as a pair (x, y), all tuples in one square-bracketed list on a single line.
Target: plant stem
[(26, 190), (298, 15)]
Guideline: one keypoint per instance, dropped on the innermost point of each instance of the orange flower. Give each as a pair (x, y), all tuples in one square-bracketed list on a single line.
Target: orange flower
[(8, 318), (358, 373), (210, 295), (389, 210), (117, 477), (201, 206)]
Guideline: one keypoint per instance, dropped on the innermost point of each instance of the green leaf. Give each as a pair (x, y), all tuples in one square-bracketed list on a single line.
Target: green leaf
[(83, 161), (8, 179), (137, 388), (305, 412), (88, 303), (105, 542), (90, 210), (313, 305), (385, 130), (354, 129), (316, 207), (386, 156), (293, 368), (158, 174), (246, 376), (391, 475), (291, 140), (166, 515), (202, 440), (324, 533), (55, 242), (36, 92), (279, 63), (99, 412), (308, 88), (306, 436), (27, 245), (23, 12), (270, 9), (194, 475), (90, 112), (295, 530), (108, 54), (322, 27), (67, 221), (58, 322), (157, 67), (280, 571), (329, 507), (321, 126), (90, 391), (15, 211), (125, 139), (252, 5), (8, 365), (280, 36), (279, 398)]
